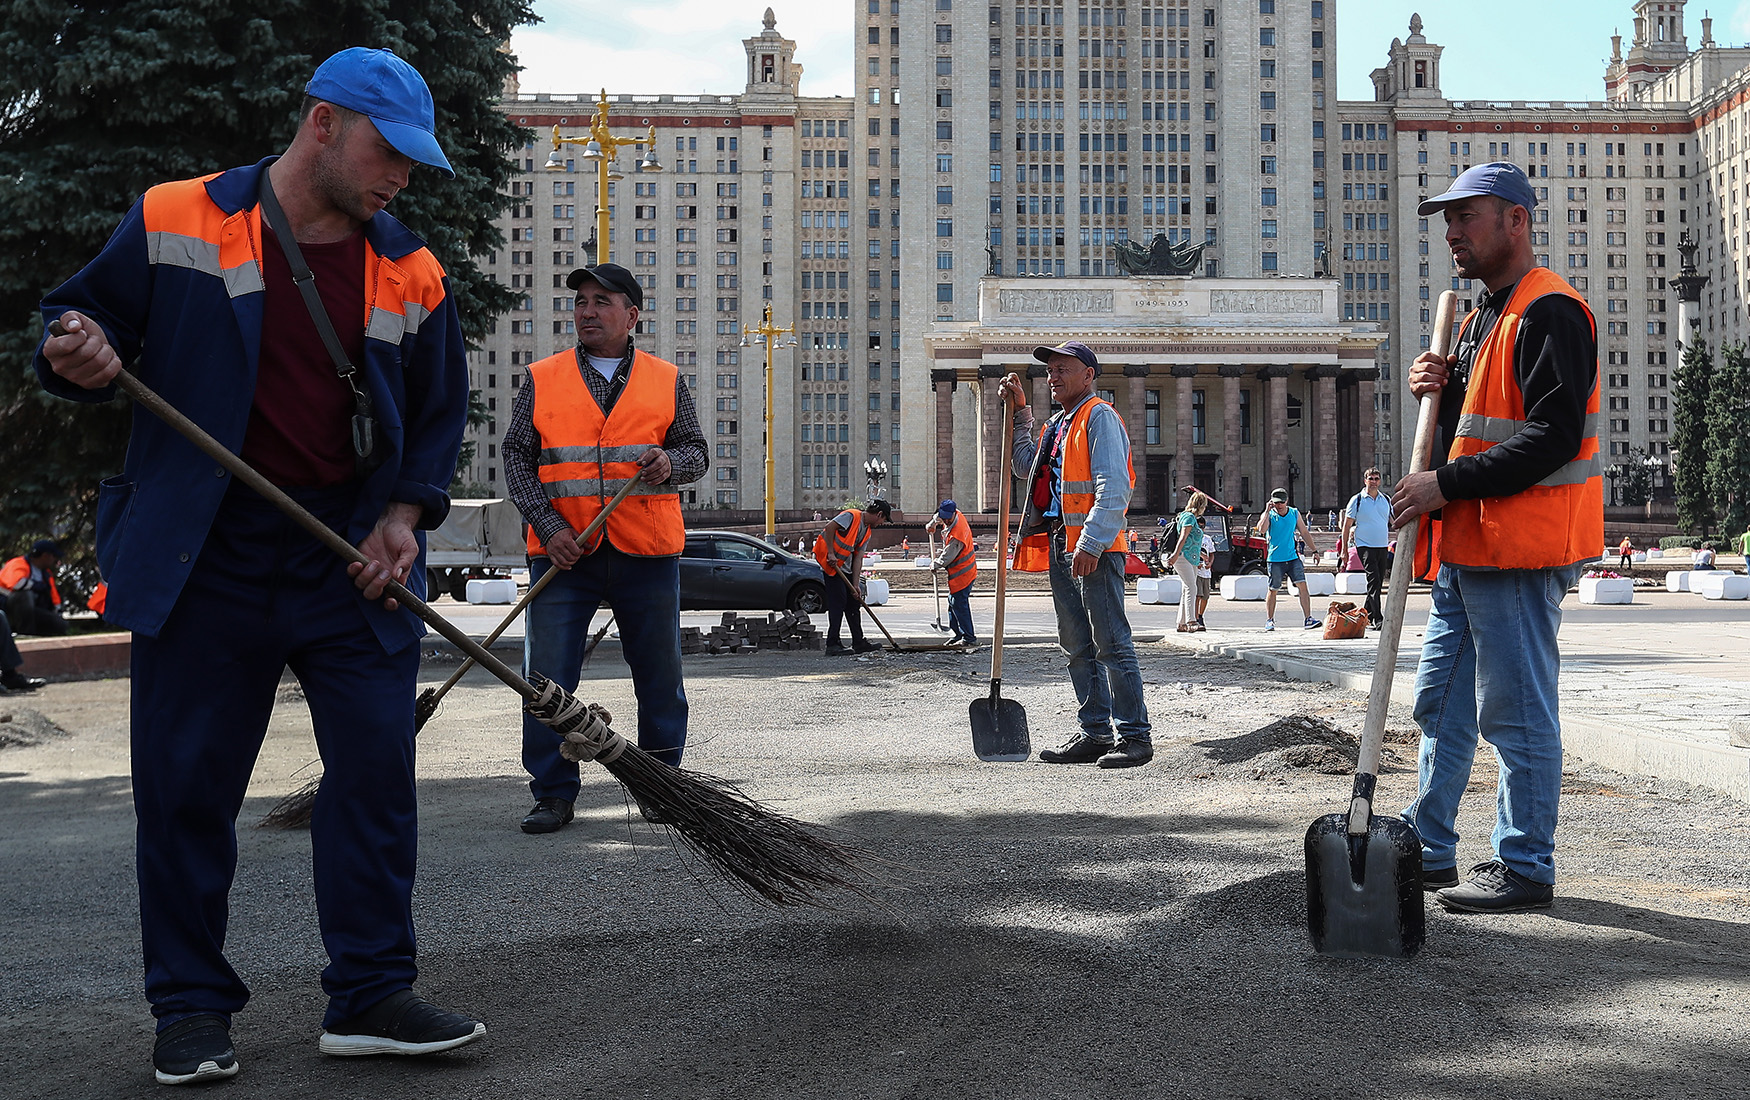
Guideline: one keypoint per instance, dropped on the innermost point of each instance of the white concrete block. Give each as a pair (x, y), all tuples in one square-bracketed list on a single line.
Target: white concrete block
[(494, 590), (1722, 586), (877, 594), (1677, 580), (1654, 553), (1161, 590), (922, 561), (1637, 556), (1329, 557), (1247, 586), (1351, 584), (1321, 584), (1607, 590), (872, 558)]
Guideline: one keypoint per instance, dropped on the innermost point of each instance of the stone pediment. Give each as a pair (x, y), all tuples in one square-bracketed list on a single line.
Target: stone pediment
[(1145, 301)]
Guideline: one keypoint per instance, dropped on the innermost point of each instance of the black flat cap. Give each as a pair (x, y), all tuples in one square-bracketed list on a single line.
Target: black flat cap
[(612, 276)]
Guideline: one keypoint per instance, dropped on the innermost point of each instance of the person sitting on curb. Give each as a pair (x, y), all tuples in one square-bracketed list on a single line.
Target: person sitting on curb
[(1703, 555), (1280, 524), (33, 603)]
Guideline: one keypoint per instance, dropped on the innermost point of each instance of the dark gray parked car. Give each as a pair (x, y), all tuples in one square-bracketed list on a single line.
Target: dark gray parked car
[(729, 571)]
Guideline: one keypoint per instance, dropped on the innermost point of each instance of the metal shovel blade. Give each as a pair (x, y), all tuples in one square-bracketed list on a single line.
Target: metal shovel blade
[(999, 730), (1364, 893)]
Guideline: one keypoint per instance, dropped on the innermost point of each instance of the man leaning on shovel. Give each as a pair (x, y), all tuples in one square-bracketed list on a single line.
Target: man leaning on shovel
[(1520, 504)]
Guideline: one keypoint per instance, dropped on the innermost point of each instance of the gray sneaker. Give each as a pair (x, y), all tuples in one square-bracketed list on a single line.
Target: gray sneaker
[(1128, 753), (1494, 887), (195, 1049), (401, 1023)]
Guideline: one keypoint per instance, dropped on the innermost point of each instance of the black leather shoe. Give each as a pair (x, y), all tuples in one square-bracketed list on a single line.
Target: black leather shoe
[(195, 1049), (834, 649), (1080, 749), (15, 680), (1438, 878), (1494, 887), (1128, 753), (549, 816), (864, 646)]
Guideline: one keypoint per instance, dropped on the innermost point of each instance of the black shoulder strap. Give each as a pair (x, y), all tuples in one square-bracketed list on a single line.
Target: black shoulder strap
[(363, 424)]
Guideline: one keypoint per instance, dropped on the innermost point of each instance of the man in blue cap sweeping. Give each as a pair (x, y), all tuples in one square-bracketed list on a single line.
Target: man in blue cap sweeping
[(278, 306), (960, 564)]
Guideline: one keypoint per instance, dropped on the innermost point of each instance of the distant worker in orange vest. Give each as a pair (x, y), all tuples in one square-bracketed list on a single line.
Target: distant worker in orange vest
[(590, 418), (960, 563), (33, 603), (1079, 481), (839, 550), (1521, 505)]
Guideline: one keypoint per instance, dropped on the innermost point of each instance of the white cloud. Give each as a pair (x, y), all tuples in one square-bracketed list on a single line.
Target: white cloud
[(682, 47)]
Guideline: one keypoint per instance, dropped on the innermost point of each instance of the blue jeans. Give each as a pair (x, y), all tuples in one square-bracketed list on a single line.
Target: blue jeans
[(1095, 635), (1489, 667), (960, 613), (645, 594)]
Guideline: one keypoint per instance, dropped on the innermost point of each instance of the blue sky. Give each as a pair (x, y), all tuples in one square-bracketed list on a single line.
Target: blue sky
[(1495, 49)]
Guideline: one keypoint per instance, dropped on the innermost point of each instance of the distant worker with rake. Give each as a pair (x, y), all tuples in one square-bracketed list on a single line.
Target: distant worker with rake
[(592, 417), (839, 550), (1079, 481), (960, 563), (1521, 505), (349, 392)]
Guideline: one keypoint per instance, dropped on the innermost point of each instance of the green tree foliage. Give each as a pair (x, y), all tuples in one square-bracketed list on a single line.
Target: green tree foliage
[(100, 100), (1691, 386), (1728, 438), (1637, 479)]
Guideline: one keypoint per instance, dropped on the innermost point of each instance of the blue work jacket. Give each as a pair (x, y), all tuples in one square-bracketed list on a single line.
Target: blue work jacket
[(179, 292)]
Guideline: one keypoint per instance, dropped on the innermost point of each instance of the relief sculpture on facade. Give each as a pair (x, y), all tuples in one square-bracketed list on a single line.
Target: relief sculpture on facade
[(1266, 301), (1060, 302)]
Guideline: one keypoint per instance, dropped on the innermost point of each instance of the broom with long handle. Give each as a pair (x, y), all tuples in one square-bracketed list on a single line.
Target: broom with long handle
[(294, 810), (763, 854)]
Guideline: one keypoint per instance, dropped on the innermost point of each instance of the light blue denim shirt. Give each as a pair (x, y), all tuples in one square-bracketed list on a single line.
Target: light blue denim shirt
[(1109, 459)]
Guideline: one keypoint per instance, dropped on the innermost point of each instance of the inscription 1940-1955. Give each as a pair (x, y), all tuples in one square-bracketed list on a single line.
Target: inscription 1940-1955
[(1067, 302)]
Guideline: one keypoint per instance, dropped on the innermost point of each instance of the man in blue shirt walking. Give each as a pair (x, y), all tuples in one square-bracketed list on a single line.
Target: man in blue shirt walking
[(1367, 527)]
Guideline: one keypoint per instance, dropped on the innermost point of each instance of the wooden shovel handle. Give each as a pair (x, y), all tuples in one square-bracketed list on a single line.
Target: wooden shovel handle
[(1006, 484)]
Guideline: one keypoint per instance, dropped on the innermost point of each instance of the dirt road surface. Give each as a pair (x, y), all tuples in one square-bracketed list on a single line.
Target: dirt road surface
[(1044, 931)]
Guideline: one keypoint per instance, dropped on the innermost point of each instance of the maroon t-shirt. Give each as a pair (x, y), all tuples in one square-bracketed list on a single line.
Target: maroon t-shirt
[(300, 425)]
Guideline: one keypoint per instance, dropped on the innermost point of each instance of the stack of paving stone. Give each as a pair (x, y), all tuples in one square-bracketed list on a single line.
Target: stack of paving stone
[(780, 630)]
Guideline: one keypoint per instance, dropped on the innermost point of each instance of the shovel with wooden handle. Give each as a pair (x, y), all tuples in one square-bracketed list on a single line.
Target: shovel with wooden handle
[(1364, 873), (999, 726)]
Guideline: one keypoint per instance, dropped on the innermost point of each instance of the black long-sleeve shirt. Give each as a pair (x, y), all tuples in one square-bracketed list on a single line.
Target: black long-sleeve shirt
[(1555, 360)]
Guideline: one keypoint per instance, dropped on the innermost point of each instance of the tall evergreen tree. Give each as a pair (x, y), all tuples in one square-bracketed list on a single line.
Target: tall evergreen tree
[(100, 100), (1691, 386), (1728, 439)]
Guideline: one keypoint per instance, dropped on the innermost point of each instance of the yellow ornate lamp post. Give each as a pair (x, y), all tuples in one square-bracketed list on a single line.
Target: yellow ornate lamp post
[(763, 333), (600, 146)]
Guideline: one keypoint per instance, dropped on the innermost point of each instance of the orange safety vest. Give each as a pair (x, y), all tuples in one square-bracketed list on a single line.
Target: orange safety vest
[(17, 570), (1034, 553), (835, 545), (586, 458), (1558, 521), (963, 570)]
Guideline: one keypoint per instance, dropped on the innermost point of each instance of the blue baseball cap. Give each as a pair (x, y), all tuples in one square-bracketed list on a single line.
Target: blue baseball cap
[(1500, 179), (389, 92), (946, 511), (1073, 348)]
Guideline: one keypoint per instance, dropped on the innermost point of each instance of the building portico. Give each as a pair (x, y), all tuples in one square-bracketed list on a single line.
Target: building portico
[(1233, 385)]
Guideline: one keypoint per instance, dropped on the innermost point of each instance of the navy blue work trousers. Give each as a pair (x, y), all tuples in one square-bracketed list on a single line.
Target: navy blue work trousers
[(264, 597)]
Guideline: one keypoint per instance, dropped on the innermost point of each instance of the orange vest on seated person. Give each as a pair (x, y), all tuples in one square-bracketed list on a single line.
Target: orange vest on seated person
[(586, 458), (1560, 520), (18, 569), (1033, 555), (963, 570), (835, 545)]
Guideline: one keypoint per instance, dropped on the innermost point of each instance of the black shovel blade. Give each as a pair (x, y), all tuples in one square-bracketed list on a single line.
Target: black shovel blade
[(999, 730), (1364, 894)]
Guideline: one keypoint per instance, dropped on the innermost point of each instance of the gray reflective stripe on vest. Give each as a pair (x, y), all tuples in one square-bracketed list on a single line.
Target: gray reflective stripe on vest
[(1075, 519), (552, 456), (1499, 429), (195, 254), (595, 487), (1077, 487), (392, 327)]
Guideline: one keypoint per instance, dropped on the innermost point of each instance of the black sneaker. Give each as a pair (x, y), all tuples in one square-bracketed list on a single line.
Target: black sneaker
[(401, 1023), (15, 680), (1438, 878), (864, 646), (195, 1049), (834, 649), (549, 816), (1080, 749), (1128, 753), (1495, 887)]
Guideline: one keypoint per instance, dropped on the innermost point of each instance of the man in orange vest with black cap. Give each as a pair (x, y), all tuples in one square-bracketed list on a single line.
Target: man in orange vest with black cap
[(1520, 506), (1079, 482), (839, 550), (591, 417), (32, 599)]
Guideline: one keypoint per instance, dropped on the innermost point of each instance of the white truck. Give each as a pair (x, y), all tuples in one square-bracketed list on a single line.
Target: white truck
[(479, 538)]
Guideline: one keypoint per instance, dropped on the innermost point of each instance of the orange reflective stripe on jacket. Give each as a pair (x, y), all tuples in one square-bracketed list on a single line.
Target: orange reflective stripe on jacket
[(1558, 521), (835, 545), (587, 458), (963, 570), (1034, 553), (17, 570)]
